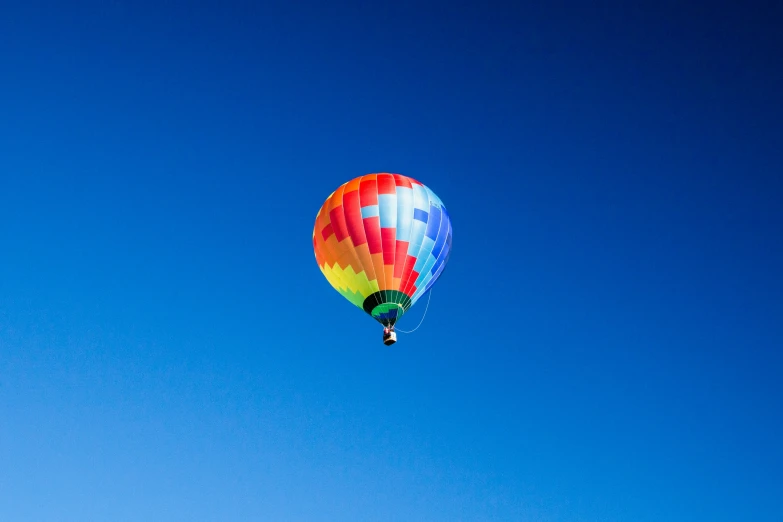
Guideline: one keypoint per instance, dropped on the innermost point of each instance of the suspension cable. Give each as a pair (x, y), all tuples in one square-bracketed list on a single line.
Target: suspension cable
[(429, 296)]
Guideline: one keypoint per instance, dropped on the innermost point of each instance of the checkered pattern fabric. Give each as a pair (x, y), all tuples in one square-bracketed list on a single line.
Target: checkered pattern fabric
[(382, 240)]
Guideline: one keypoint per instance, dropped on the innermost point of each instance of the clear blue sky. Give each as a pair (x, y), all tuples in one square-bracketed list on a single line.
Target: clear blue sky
[(605, 344)]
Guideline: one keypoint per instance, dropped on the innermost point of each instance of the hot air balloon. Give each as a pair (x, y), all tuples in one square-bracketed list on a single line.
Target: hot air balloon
[(382, 240)]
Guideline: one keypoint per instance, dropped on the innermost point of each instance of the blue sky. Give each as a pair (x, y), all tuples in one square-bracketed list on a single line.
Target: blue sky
[(603, 346)]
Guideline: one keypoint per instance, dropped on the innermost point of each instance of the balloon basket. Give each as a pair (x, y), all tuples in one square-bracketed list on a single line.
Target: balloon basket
[(390, 338)]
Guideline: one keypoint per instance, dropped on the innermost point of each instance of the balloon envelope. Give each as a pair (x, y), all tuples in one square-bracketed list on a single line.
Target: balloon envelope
[(382, 240)]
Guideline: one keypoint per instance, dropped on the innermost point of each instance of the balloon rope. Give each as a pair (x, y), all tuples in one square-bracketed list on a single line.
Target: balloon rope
[(429, 296)]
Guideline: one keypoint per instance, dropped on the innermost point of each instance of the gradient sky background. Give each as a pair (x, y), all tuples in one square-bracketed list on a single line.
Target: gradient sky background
[(605, 344)]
